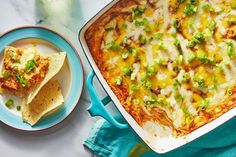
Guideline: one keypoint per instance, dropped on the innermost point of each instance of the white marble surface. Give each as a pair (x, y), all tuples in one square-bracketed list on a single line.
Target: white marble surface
[(66, 17)]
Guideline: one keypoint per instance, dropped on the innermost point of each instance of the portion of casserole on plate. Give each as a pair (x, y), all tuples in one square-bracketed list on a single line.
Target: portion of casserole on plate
[(171, 62), (28, 75)]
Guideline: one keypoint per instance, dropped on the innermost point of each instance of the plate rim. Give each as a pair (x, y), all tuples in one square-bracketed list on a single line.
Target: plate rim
[(82, 67)]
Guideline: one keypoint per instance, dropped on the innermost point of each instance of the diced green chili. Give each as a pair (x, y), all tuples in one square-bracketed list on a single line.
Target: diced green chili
[(176, 84), (176, 42), (136, 101), (114, 47), (203, 105), (141, 22), (109, 29), (125, 55), (162, 101), (30, 65), (134, 52), (147, 28), (202, 57), (211, 25), (143, 39), (158, 35), (177, 25), (190, 57), (124, 26), (200, 82), (191, 22), (148, 84), (231, 21), (127, 71), (150, 71), (193, 1), (6, 74), (177, 45), (219, 67), (177, 3), (18, 108), (178, 97), (229, 91), (233, 6), (14, 57), (186, 77), (206, 7), (15, 68), (138, 11), (118, 80), (197, 39), (125, 40), (134, 86), (21, 79), (199, 36), (230, 50), (192, 43), (162, 61), (151, 101), (9, 103), (190, 9), (161, 45)]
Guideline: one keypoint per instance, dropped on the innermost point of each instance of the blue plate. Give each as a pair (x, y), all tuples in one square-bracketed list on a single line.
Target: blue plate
[(76, 70)]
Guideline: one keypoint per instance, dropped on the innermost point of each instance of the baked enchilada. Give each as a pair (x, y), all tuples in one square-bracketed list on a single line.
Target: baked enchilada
[(171, 62)]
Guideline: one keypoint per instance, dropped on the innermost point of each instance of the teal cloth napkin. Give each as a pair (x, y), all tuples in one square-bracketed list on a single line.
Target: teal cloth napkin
[(107, 141)]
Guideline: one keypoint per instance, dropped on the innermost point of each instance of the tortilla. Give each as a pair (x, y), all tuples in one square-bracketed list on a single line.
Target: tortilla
[(55, 65), (48, 100), (6, 91)]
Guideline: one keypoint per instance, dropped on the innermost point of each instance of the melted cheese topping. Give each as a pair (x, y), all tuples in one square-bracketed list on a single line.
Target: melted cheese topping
[(22, 68), (29, 54), (178, 57)]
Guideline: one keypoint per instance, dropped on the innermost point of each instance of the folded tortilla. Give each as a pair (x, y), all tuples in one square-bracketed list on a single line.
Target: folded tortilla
[(48, 100), (6, 91), (55, 64)]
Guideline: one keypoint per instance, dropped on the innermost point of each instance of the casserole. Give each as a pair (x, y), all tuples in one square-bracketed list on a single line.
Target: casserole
[(96, 47)]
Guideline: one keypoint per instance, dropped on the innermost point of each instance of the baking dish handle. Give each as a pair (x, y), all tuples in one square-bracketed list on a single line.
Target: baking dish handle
[(97, 106)]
